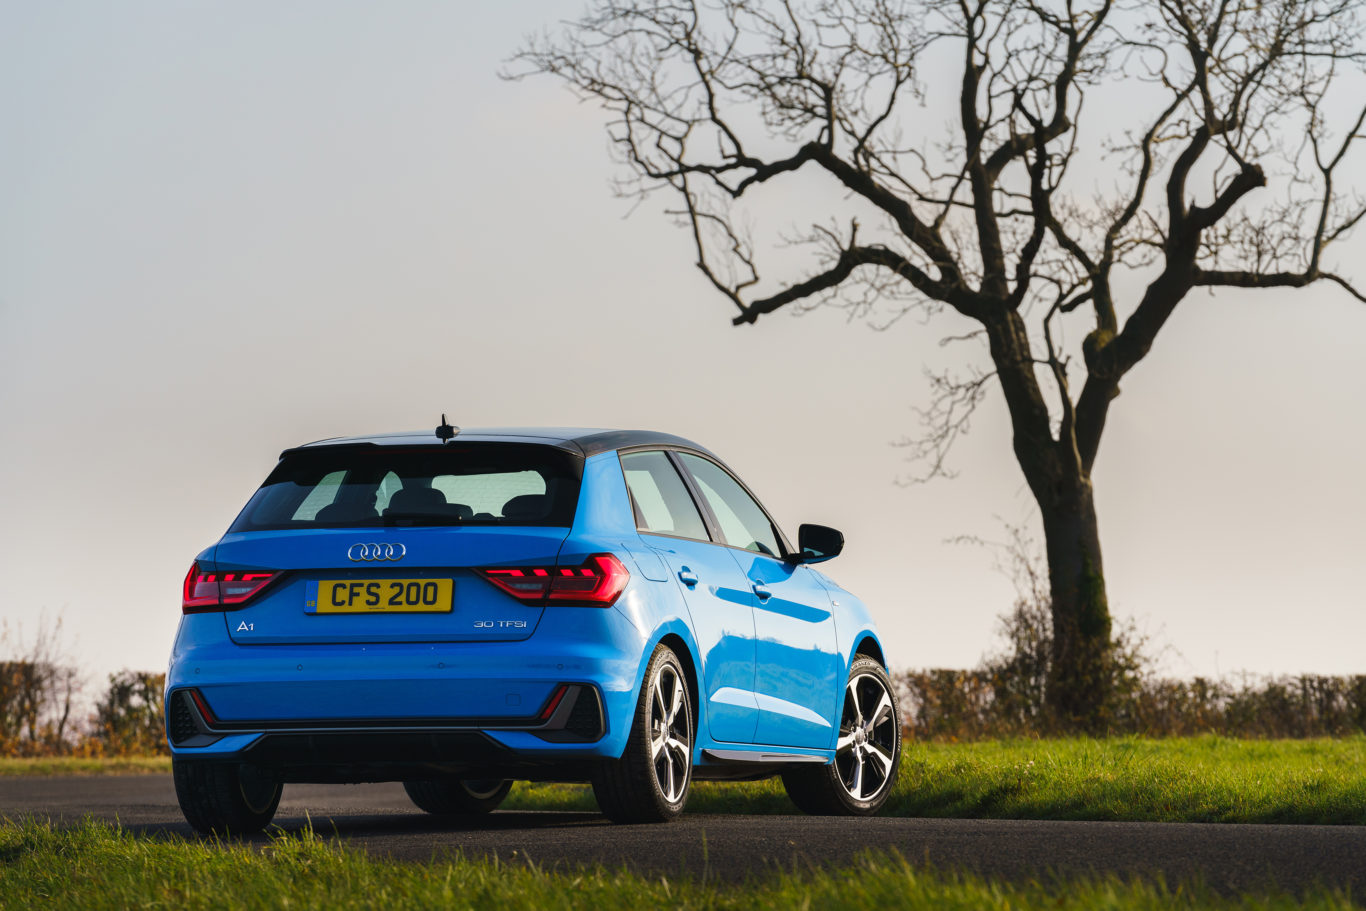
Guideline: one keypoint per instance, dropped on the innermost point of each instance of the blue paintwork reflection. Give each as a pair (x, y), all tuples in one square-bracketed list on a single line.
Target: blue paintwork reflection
[(720, 605), (798, 668)]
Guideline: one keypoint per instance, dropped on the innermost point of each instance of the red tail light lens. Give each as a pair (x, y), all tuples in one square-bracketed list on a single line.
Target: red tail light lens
[(597, 582), (201, 591), (525, 583), (205, 592)]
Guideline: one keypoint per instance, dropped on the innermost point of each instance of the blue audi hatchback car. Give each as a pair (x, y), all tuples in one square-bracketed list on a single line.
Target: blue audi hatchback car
[(461, 609)]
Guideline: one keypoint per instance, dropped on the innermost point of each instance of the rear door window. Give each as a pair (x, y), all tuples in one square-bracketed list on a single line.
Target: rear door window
[(660, 498), (371, 486)]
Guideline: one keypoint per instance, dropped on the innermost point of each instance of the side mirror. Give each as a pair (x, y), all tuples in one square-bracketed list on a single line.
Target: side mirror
[(817, 543)]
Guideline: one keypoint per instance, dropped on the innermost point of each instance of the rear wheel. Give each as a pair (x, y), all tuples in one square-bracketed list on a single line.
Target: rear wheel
[(458, 796), (867, 753), (225, 798), (649, 783)]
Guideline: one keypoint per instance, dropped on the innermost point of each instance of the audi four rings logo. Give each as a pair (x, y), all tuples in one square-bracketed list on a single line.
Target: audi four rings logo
[(372, 552)]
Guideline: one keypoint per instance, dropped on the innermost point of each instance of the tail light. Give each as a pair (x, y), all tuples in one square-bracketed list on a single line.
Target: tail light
[(220, 591), (594, 583)]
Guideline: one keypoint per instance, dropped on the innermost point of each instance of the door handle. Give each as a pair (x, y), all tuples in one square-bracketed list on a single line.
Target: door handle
[(759, 589), (687, 577)]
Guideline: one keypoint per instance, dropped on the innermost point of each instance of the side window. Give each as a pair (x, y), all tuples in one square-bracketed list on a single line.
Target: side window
[(741, 519), (661, 499)]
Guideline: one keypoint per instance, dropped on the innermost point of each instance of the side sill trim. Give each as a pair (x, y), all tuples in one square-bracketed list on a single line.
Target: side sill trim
[(761, 756)]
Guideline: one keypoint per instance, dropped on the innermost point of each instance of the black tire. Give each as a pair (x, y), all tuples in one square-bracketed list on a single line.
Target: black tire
[(650, 782), (867, 756), (458, 796), (225, 798)]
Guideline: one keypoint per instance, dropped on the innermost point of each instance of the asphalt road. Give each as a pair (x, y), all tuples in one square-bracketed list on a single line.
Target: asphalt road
[(379, 819)]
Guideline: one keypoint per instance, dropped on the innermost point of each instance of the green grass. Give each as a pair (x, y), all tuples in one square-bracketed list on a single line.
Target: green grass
[(96, 866), (66, 765), (1200, 779)]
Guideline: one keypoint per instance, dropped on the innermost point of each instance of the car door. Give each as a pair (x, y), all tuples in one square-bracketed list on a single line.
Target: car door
[(717, 594), (797, 662)]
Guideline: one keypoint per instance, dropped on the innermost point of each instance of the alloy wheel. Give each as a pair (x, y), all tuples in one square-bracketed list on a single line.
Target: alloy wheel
[(867, 743), (670, 732)]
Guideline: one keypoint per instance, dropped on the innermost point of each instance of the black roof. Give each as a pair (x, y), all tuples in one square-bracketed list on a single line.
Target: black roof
[(580, 440)]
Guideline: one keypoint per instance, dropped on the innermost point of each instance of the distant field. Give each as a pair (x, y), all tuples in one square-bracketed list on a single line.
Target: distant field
[(96, 866), (1202, 779)]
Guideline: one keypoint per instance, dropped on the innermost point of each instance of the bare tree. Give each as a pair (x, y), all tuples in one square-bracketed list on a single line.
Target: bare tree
[(39, 687), (1102, 160)]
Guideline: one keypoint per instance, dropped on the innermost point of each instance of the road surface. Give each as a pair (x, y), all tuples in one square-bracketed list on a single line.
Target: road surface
[(378, 818)]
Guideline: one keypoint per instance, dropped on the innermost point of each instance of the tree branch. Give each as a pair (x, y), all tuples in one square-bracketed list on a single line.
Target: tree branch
[(849, 260), (1231, 279)]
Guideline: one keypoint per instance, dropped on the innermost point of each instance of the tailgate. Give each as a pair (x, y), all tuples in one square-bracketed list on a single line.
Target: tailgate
[(384, 584)]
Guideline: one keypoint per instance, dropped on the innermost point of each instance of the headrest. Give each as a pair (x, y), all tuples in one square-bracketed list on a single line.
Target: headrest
[(527, 506), (345, 512), (417, 500)]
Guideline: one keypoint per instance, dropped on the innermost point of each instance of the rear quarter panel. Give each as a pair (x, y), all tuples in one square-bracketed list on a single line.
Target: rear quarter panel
[(651, 601)]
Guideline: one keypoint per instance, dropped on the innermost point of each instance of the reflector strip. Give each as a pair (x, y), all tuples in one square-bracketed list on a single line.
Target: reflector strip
[(553, 703), (203, 707)]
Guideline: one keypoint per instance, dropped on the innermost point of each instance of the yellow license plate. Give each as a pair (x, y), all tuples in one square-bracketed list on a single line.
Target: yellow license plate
[(379, 596)]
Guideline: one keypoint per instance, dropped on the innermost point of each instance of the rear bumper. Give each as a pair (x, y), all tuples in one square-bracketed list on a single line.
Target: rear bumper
[(457, 705), (378, 750)]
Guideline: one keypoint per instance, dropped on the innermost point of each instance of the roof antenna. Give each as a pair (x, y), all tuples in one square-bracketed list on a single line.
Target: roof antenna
[(446, 431)]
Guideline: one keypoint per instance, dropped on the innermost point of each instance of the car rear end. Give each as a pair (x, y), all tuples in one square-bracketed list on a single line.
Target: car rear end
[(400, 607)]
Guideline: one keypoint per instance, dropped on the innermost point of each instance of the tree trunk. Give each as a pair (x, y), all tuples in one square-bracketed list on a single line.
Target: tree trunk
[(1079, 679)]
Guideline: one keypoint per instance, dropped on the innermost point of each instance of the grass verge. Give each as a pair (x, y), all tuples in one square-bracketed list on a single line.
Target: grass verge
[(1198, 779), (96, 866), (66, 765)]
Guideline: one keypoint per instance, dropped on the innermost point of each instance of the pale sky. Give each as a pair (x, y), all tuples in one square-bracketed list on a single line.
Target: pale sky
[(229, 228)]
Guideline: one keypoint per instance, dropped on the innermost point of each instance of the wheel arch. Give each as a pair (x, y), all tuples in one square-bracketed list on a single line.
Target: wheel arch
[(679, 647), (869, 645)]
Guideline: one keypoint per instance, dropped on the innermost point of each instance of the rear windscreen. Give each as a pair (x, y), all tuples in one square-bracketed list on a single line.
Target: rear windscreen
[(369, 486)]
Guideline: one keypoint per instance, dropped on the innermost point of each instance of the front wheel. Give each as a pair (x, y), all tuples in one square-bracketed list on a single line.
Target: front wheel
[(225, 798), (458, 796), (867, 754), (649, 783)]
